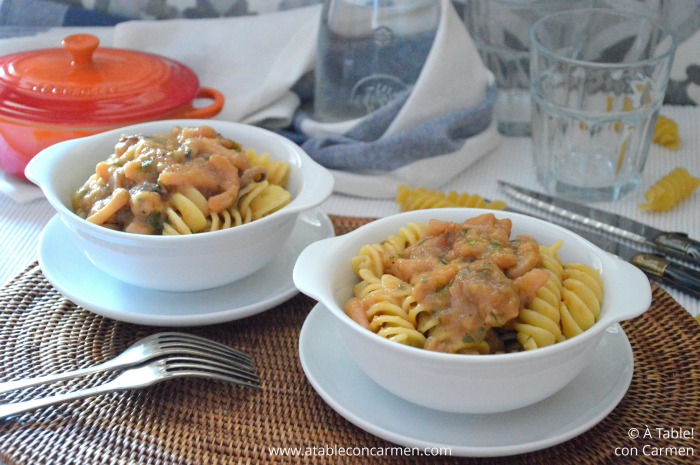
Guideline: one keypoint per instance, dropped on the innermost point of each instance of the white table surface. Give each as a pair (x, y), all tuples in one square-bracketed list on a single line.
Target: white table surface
[(22, 223)]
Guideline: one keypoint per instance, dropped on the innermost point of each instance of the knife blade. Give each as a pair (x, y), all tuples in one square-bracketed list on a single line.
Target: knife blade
[(674, 244), (655, 266)]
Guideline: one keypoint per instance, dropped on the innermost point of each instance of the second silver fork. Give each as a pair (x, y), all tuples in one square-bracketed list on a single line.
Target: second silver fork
[(148, 348), (161, 369)]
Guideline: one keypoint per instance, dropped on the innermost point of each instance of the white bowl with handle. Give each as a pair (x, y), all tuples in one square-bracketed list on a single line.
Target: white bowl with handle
[(179, 263), (464, 383)]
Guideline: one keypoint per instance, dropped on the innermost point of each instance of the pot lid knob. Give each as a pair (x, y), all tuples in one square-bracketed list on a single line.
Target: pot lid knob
[(81, 47)]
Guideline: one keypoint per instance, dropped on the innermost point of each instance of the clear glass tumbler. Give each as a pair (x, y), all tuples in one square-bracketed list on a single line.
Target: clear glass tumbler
[(500, 29), (598, 81), (369, 52)]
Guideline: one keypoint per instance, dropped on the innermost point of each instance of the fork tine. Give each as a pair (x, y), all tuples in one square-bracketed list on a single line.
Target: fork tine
[(180, 361), (216, 376), (173, 339), (190, 350), (206, 368)]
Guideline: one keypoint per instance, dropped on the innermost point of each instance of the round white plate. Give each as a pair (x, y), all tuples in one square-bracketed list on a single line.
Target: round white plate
[(72, 273), (578, 407)]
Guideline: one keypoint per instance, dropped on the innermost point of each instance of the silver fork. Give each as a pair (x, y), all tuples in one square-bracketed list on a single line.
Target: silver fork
[(161, 369), (148, 348)]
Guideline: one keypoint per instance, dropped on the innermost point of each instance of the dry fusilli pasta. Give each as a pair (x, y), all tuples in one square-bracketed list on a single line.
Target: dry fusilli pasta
[(666, 133), (670, 190), (419, 199)]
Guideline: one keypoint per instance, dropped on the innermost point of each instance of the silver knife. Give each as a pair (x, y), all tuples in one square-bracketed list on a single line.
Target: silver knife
[(674, 244)]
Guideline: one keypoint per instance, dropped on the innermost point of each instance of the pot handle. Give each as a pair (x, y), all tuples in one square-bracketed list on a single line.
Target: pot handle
[(206, 112)]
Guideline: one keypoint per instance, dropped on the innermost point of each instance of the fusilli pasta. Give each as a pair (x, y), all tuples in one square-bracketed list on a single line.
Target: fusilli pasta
[(666, 133), (419, 199), (670, 190), (582, 296), (255, 201), (415, 285), (538, 325), (189, 181), (393, 313)]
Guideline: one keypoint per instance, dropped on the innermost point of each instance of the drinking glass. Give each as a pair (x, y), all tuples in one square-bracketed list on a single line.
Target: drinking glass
[(500, 29), (598, 81)]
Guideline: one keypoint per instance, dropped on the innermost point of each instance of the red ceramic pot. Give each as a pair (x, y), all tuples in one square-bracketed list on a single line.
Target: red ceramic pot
[(51, 95)]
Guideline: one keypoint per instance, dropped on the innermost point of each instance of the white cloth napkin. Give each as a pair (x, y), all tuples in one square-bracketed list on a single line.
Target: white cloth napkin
[(453, 78), (256, 60), (253, 60)]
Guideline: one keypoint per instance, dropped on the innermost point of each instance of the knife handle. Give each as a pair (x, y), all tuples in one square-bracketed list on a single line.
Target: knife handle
[(678, 243), (681, 277)]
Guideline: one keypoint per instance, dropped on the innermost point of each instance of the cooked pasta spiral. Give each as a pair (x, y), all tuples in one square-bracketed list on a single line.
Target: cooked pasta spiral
[(190, 215), (368, 264), (582, 296), (419, 199), (393, 312), (538, 325), (410, 234), (277, 171), (189, 181), (666, 133), (670, 190), (440, 287), (387, 314)]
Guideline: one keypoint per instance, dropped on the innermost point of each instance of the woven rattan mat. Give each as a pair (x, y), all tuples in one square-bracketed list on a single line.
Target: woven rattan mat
[(191, 421)]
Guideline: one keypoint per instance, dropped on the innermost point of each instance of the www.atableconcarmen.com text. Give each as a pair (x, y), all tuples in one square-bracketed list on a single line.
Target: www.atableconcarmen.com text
[(350, 451)]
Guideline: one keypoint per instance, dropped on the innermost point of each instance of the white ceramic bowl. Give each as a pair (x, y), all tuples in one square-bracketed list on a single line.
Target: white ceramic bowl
[(179, 263), (468, 383)]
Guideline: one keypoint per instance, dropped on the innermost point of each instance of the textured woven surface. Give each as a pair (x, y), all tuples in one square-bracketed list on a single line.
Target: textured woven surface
[(190, 421)]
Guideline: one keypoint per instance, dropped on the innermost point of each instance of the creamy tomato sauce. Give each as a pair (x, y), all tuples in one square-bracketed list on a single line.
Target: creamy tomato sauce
[(131, 190), (471, 277)]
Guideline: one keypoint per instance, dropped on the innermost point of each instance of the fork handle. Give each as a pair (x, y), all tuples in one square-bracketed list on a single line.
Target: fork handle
[(131, 379), (8, 410), (8, 386)]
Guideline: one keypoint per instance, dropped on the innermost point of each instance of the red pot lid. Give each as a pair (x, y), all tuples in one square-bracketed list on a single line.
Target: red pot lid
[(83, 85)]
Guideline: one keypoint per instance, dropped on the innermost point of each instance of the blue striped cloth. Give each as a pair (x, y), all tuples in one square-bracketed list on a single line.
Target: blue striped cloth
[(363, 149)]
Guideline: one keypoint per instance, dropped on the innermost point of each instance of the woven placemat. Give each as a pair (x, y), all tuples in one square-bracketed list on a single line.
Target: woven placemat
[(191, 421)]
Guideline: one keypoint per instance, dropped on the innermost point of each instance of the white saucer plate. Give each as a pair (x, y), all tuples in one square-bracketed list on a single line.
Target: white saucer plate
[(583, 403), (72, 274)]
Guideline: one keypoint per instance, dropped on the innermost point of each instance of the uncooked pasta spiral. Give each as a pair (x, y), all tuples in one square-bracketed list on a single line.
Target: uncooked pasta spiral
[(419, 199), (666, 133), (538, 325), (670, 190), (582, 296)]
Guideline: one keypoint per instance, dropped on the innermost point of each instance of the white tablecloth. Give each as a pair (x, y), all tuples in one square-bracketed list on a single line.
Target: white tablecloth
[(21, 224)]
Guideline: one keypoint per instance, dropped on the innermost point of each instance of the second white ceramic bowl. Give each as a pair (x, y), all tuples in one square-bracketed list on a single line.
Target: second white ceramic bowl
[(468, 383)]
